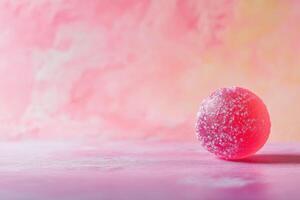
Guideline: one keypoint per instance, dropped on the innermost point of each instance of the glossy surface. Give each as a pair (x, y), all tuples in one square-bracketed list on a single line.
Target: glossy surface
[(233, 123), (150, 171)]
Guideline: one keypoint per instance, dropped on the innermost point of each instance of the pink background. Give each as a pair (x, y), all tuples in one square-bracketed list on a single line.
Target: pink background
[(138, 69)]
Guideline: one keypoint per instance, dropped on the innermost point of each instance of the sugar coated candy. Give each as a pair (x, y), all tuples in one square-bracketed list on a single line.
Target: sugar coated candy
[(233, 123)]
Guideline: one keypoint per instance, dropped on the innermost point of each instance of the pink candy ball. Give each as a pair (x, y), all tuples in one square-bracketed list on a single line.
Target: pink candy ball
[(233, 123)]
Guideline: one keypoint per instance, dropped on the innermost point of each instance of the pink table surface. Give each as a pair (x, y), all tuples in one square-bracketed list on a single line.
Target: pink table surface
[(141, 171)]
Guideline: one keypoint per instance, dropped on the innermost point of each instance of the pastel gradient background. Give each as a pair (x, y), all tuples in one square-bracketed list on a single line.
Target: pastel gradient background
[(138, 69)]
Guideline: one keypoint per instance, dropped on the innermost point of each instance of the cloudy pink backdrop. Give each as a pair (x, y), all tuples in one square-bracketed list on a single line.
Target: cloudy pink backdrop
[(138, 69)]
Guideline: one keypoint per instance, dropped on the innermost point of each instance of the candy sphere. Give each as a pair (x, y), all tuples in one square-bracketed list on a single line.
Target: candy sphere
[(233, 123)]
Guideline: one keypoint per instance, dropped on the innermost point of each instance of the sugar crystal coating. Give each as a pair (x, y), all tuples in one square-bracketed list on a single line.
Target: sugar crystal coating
[(233, 123)]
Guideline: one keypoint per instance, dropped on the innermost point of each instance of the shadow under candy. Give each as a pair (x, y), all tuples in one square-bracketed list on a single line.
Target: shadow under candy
[(272, 159)]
